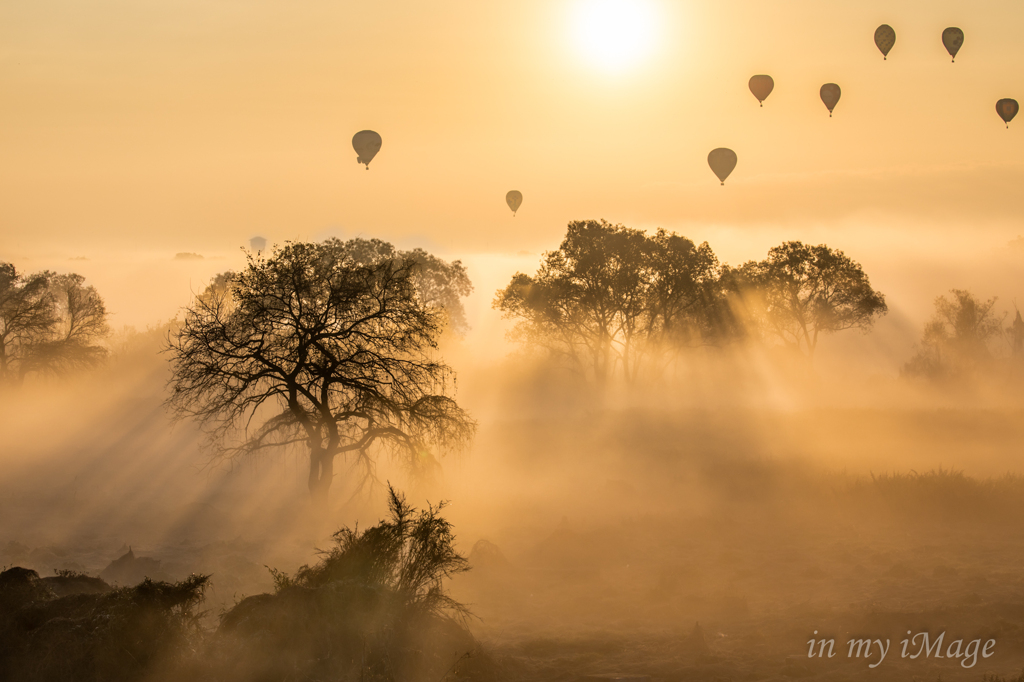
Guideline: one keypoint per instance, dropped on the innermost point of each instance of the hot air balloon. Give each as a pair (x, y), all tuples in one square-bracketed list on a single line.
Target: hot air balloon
[(514, 199), (885, 38), (1007, 108), (830, 94), (761, 86), (367, 144), (722, 161), (953, 39)]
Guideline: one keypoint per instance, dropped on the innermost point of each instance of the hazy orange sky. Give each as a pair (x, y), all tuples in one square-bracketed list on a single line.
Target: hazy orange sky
[(134, 130)]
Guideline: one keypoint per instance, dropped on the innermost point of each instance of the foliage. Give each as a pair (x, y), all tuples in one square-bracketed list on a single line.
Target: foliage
[(411, 555), (800, 292), (318, 346), (612, 299), (125, 634), (957, 340), (49, 324), (1016, 337), (440, 285), (373, 607)]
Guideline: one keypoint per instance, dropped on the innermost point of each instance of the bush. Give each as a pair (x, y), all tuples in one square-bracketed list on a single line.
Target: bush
[(125, 634), (373, 607)]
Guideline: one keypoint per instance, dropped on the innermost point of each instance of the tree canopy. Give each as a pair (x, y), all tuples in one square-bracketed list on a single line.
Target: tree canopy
[(439, 284), (957, 339), (800, 292), (611, 299), (49, 324), (323, 346)]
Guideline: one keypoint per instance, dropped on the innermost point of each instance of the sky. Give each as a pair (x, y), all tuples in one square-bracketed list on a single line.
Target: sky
[(134, 130)]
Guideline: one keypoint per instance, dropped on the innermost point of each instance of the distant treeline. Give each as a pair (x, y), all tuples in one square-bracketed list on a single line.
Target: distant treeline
[(616, 303), (611, 303)]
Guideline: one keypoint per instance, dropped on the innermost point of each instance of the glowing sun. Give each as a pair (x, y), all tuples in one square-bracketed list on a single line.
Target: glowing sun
[(614, 35)]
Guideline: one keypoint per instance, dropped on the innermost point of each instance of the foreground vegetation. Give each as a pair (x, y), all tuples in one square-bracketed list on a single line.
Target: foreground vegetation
[(374, 607), (772, 552)]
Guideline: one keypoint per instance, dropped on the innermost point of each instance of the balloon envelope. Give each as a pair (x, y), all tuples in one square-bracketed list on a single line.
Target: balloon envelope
[(367, 144), (514, 199), (761, 86), (1007, 109), (953, 39), (885, 38), (830, 94), (722, 161)]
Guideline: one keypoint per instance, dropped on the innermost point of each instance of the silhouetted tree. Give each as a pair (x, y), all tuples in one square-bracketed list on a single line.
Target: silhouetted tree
[(611, 296), (800, 292), (1016, 334), (318, 346), (685, 296), (957, 340), (49, 324), (439, 284)]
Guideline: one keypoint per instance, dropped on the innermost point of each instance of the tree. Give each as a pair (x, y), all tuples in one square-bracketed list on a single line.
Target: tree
[(685, 301), (439, 284), (1016, 334), (317, 347), (49, 324), (956, 341), (611, 297), (800, 292)]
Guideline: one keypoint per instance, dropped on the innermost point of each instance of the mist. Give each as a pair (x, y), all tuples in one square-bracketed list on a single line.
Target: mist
[(289, 390), (745, 490)]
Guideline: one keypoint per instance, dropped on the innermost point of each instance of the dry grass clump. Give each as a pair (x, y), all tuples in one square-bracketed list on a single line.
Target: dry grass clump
[(946, 495)]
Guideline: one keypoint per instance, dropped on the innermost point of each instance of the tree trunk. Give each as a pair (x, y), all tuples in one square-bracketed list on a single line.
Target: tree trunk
[(321, 474)]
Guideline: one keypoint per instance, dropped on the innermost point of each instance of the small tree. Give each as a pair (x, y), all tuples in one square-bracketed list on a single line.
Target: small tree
[(801, 292), (957, 340), (1016, 334), (49, 324), (321, 347)]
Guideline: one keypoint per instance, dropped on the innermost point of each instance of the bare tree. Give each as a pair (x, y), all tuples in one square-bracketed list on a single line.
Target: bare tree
[(315, 346), (49, 324)]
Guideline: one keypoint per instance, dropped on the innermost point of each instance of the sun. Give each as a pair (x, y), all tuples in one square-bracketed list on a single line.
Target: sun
[(614, 35)]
